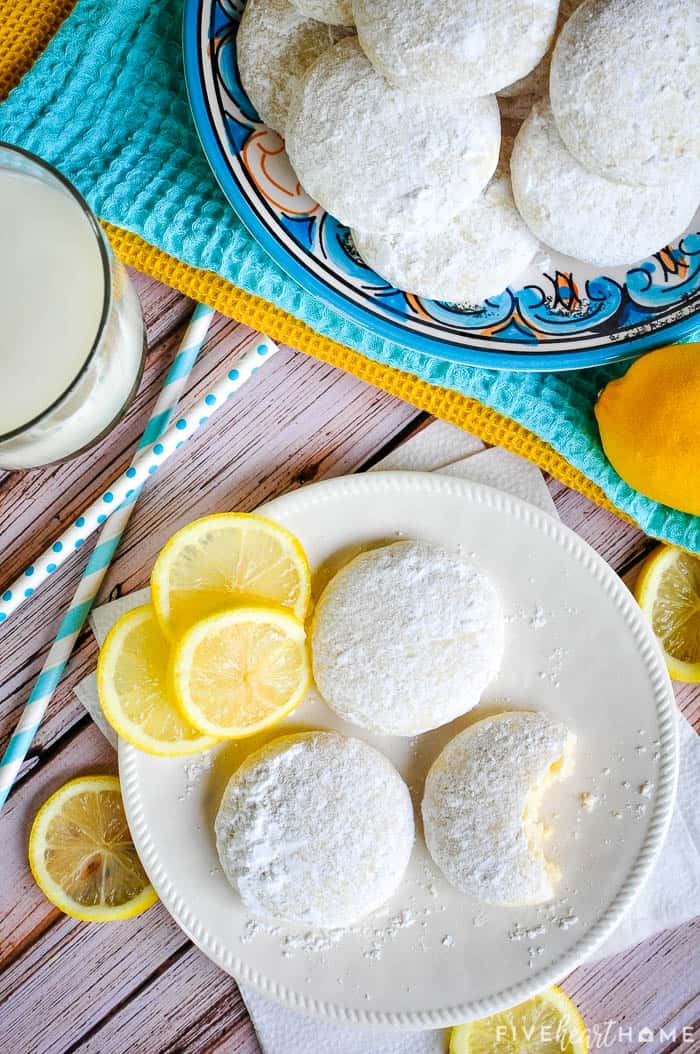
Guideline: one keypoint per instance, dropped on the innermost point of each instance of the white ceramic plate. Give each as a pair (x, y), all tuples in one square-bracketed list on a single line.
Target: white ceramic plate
[(577, 647)]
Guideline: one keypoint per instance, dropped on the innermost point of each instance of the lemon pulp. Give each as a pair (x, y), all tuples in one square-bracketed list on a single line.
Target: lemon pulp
[(82, 856), (225, 560), (668, 591), (241, 671), (135, 692)]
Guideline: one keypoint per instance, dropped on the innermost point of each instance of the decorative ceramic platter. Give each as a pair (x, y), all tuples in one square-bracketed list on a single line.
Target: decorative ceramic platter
[(577, 647), (561, 314)]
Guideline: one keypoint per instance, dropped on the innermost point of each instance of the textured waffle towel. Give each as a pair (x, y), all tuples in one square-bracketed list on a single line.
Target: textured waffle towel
[(106, 103)]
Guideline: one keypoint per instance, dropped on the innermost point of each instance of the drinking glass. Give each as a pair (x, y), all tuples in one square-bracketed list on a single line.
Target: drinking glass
[(72, 338)]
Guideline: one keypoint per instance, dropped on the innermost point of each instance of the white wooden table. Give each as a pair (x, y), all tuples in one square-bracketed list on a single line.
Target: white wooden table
[(140, 986)]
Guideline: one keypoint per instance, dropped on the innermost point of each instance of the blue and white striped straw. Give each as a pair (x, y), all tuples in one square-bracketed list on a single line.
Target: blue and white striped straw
[(99, 562)]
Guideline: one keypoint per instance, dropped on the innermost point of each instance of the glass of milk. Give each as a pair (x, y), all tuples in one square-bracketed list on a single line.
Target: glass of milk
[(72, 338)]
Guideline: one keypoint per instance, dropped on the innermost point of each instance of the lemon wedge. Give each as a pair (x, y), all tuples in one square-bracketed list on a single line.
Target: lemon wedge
[(82, 856), (549, 1023), (668, 592), (134, 688), (225, 560), (241, 671)]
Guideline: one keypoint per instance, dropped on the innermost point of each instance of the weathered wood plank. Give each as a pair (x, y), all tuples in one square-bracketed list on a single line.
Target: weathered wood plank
[(654, 985), (192, 1006), (618, 542), (76, 975)]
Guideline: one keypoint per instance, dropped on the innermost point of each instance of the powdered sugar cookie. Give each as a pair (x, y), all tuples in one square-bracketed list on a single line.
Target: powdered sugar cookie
[(481, 804), (405, 638), (335, 12), (478, 255), (315, 828), (625, 89), (275, 47), (584, 215), (473, 47), (380, 159)]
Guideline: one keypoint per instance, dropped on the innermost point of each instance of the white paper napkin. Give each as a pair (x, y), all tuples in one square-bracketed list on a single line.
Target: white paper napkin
[(672, 893)]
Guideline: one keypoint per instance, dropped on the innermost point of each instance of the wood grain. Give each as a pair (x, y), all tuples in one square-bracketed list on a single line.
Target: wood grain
[(140, 986), (296, 421)]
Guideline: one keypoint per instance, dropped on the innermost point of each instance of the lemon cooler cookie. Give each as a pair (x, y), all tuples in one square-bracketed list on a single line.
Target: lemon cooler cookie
[(406, 638), (275, 46), (315, 828), (337, 12), (379, 159), (468, 47), (584, 215), (478, 254), (481, 803), (625, 89)]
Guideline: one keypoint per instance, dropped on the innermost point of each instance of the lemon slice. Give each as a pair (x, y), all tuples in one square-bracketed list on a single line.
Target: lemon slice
[(224, 560), (82, 856), (668, 591), (549, 1023), (135, 691), (241, 671)]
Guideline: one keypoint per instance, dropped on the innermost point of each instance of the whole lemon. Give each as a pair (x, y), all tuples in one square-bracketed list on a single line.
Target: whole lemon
[(649, 423)]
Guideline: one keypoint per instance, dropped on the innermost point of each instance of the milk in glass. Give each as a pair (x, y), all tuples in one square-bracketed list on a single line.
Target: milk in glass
[(71, 332)]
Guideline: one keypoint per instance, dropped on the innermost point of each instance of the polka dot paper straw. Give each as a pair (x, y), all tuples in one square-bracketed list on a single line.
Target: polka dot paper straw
[(126, 485), (99, 562)]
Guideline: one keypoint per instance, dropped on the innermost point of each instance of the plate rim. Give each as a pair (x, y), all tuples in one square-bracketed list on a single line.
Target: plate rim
[(442, 351), (422, 484)]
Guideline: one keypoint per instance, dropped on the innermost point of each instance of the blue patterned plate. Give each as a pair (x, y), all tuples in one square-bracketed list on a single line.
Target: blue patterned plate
[(561, 315)]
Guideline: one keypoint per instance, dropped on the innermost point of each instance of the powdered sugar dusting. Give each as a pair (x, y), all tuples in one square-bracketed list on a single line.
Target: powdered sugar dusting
[(368, 664), (337, 12), (409, 170), (639, 125), (584, 215), (315, 828), (462, 47), (275, 46)]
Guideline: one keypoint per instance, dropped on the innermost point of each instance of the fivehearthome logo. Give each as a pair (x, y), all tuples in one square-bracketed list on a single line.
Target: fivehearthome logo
[(603, 1036), (611, 1033)]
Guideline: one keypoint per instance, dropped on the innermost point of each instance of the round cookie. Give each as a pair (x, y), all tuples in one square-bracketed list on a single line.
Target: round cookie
[(468, 47), (335, 12), (584, 215), (477, 256), (315, 828), (625, 89), (406, 638), (480, 807), (275, 47), (379, 159)]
